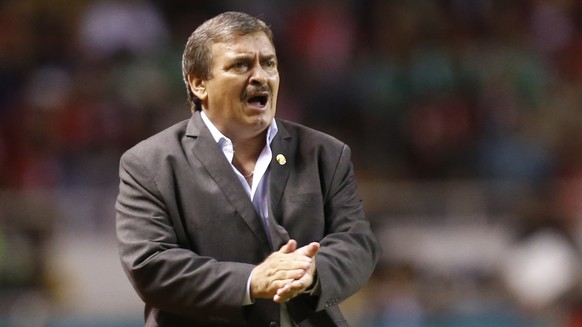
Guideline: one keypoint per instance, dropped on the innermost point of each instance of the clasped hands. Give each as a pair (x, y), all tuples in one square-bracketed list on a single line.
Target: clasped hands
[(285, 273)]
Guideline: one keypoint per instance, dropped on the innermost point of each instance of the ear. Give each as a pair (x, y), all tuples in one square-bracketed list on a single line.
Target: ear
[(198, 87)]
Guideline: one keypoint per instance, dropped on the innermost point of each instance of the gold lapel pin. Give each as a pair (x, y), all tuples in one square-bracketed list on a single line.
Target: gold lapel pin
[(281, 159)]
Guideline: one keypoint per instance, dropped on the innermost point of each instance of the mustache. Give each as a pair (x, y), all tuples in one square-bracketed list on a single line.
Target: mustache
[(255, 90)]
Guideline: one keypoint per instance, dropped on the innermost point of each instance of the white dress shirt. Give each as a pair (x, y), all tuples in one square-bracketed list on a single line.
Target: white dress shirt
[(257, 191)]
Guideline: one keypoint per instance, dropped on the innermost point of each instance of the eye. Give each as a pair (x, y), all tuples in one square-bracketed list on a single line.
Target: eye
[(240, 66), (271, 63)]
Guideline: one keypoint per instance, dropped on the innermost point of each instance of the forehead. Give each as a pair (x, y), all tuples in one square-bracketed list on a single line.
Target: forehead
[(251, 44)]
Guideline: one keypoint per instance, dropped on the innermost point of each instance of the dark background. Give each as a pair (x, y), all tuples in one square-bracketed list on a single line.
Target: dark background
[(464, 118)]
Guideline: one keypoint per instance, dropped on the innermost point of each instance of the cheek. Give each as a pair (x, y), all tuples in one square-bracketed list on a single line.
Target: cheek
[(275, 86), (225, 94)]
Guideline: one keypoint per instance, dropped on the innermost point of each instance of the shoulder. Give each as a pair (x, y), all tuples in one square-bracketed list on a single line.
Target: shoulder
[(314, 146), (160, 144), (309, 136)]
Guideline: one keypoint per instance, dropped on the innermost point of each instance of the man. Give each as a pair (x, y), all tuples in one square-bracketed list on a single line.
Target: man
[(233, 217)]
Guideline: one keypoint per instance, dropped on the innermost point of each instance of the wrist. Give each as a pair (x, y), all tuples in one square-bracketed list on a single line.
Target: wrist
[(314, 288)]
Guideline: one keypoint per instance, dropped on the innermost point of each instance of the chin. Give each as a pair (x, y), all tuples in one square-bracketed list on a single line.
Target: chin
[(261, 122)]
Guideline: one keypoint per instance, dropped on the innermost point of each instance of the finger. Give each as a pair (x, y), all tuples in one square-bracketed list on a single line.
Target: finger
[(310, 249), (294, 286), (279, 299), (299, 284), (281, 285), (287, 261), (291, 246), (286, 293), (285, 289), (283, 294), (291, 275), (291, 261)]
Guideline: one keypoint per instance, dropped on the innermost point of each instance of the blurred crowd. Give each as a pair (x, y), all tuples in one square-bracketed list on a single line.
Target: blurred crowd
[(425, 92)]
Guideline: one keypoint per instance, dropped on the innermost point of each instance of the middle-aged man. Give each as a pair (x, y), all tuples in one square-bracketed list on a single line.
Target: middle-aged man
[(233, 217)]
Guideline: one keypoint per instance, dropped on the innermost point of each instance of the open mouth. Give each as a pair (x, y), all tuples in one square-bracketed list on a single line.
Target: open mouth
[(258, 100)]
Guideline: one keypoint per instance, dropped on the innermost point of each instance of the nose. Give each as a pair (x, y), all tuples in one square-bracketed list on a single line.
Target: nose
[(258, 76)]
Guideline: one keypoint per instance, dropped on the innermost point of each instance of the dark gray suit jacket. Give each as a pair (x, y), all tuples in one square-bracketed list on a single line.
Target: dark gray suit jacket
[(189, 235)]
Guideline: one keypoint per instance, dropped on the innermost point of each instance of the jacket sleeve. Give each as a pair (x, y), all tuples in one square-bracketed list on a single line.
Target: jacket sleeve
[(349, 251), (166, 275)]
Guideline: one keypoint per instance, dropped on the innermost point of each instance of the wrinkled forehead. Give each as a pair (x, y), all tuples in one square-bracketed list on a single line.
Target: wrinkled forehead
[(235, 38), (244, 43)]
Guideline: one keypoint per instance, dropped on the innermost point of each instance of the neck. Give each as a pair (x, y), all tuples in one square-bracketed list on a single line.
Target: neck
[(249, 148), (246, 154)]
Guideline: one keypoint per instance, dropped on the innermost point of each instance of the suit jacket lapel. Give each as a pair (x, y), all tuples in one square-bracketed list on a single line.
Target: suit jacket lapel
[(213, 160), (284, 146)]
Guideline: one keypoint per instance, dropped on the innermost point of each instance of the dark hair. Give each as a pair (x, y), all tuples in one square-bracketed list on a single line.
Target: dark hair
[(197, 57)]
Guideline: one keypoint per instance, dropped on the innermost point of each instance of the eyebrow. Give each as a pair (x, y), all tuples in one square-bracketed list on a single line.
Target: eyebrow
[(251, 55), (270, 56)]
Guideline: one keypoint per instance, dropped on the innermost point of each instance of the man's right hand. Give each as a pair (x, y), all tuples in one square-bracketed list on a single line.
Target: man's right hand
[(281, 268)]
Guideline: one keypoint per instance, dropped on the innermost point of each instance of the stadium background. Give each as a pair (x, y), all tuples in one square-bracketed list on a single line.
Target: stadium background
[(464, 118)]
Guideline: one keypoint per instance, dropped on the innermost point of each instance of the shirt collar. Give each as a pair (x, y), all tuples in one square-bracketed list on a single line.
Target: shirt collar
[(224, 141)]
